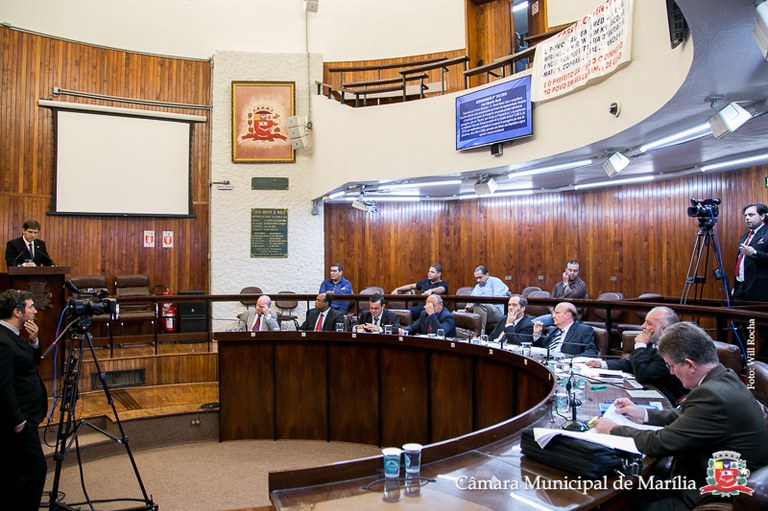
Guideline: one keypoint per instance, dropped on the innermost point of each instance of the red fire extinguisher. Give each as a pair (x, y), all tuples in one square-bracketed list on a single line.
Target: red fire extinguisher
[(168, 316)]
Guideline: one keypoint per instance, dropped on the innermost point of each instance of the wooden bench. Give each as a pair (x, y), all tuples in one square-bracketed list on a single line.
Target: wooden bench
[(442, 65)]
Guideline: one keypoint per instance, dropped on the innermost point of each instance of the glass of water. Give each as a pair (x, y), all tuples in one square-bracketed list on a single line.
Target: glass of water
[(440, 333)]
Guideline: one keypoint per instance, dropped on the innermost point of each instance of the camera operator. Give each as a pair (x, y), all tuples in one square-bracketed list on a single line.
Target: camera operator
[(22, 404), (751, 283)]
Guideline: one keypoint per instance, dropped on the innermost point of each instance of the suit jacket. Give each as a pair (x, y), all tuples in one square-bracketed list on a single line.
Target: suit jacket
[(16, 253), (387, 318), (720, 414), (248, 317), (443, 320), (755, 285), (332, 316), (649, 368), (579, 341), (22, 394), (521, 332)]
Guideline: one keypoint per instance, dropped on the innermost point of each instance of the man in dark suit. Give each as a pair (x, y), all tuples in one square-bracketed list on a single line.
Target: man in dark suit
[(568, 336), (645, 361), (751, 283), (22, 404), (27, 250), (323, 316), (515, 327), (719, 414), (433, 318), (377, 317)]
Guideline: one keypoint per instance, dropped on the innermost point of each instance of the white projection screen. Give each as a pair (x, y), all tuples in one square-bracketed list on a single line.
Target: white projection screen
[(120, 165)]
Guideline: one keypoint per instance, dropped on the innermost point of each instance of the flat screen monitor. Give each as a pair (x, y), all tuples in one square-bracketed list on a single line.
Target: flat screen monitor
[(495, 114)]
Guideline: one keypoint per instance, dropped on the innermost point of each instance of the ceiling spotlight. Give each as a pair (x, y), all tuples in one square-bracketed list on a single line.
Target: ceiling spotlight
[(365, 204), (485, 186), (728, 120), (615, 164)]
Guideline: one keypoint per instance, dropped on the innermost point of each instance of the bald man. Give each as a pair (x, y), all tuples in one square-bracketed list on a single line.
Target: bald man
[(568, 336), (260, 319)]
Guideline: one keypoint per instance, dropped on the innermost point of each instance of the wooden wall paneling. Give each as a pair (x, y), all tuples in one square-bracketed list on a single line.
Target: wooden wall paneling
[(409, 394), (301, 382), (247, 390), (495, 396), (489, 33), (451, 384), (31, 66), (641, 235), (353, 394)]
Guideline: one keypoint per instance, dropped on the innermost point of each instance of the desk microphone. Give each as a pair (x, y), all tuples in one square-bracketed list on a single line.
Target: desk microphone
[(20, 254), (42, 251), (573, 424)]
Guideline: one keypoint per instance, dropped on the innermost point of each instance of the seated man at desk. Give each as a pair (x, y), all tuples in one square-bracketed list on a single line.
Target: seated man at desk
[(27, 250), (323, 317), (433, 317), (376, 317), (260, 319), (515, 327), (720, 414), (337, 285), (568, 336), (645, 362)]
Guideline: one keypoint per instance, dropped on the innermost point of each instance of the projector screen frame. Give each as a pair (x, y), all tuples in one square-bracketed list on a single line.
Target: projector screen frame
[(138, 114)]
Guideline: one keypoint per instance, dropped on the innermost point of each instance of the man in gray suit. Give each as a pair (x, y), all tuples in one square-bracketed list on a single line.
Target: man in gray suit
[(719, 414), (260, 319)]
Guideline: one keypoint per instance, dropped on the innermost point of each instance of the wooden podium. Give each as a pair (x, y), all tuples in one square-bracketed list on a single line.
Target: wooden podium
[(46, 283)]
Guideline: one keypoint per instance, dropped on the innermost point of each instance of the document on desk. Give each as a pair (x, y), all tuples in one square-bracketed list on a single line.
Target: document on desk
[(646, 394), (612, 415), (622, 443), (612, 375)]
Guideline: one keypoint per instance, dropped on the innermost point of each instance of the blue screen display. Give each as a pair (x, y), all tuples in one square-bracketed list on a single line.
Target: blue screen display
[(495, 114)]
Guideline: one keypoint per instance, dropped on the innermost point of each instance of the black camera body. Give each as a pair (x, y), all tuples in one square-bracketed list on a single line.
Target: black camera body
[(100, 304), (705, 210)]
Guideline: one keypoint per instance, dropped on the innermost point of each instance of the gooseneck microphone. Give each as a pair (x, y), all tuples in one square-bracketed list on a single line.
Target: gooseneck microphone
[(42, 251), (17, 257)]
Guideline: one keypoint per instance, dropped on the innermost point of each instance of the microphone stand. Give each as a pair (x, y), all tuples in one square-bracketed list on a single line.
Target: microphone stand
[(573, 424)]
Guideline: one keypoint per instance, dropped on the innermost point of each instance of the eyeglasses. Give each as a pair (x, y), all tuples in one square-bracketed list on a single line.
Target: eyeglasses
[(670, 366)]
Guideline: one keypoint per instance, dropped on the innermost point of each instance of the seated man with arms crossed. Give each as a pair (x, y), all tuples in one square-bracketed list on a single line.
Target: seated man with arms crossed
[(720, 414), (261, 319), (376, 317), (569, 336), (515, 327), (433, 318), (645, 362), (323, 316), (434, 283)]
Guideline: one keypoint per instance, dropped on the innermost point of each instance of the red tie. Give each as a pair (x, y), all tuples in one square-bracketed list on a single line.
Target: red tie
[(257, 324), (319, 324), (741, 254)]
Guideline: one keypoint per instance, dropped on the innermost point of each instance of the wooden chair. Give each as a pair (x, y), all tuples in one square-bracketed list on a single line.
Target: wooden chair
[(537, 310), (250, 302), (287, 304), (370, 290), (530, 289), (467, 324), (131, 286)]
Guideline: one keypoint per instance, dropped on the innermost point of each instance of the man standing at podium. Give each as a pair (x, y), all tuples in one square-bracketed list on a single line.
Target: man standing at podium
[(23, 404), (27, 250)]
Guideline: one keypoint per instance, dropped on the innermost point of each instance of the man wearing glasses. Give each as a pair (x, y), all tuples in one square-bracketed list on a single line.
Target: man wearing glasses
[(487, 285), (720, 414)]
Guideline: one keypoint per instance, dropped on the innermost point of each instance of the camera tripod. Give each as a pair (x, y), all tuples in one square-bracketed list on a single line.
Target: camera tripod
[(70, 426), (706, 241)]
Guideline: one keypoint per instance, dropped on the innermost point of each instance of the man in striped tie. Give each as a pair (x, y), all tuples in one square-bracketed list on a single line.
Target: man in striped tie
[(568, 336)]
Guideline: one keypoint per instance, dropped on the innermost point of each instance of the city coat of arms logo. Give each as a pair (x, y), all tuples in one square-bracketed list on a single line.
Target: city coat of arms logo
[(727, 475)]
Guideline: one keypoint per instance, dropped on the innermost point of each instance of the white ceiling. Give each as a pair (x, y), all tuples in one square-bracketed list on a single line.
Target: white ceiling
[(726, 63)]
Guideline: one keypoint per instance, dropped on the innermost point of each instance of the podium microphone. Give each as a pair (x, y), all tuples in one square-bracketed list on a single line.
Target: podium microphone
[(42, 251)]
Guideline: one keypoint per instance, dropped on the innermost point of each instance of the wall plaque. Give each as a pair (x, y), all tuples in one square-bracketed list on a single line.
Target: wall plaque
[(269, 183), (269, 232)]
